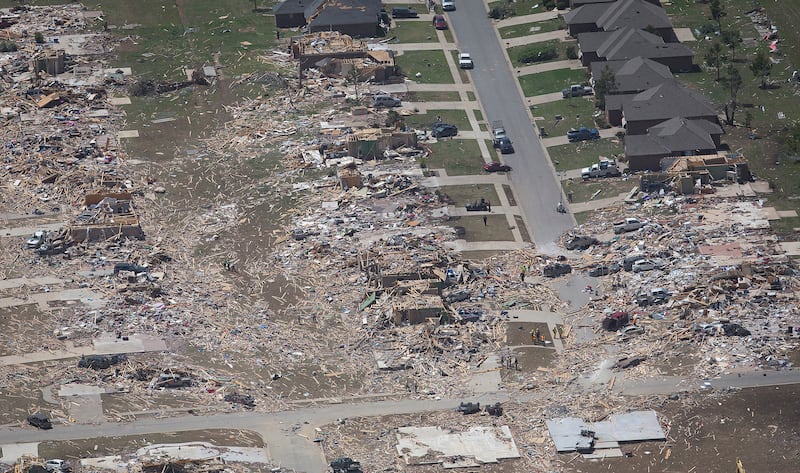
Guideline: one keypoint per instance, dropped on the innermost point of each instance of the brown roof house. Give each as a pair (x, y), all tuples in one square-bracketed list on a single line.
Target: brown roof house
[(638, 14), (672, 138), (639, 112), (628, 43), (357, 18), (633, 75)]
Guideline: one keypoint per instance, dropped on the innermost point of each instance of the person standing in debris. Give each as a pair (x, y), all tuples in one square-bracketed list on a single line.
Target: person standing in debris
[(533, 336), (555, 333), (537, 334), (522, 271)]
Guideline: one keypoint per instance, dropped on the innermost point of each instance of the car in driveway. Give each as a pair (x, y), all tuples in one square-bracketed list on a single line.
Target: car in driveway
[(496, 166), (439, 22), (582, 134), (404, 13), (465, 61), (449, 5), (443, 130), (505, 145), (647, 265)]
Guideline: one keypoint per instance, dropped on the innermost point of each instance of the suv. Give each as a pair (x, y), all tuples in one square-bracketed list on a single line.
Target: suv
[(443, 130), (448, 5), (505, 145), (557, 269), (404, 13), (583, 134), (385, 101), (465, 61)]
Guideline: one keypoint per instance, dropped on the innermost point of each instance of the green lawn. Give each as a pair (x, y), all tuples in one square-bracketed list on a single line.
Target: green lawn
[(461, 195), (426, 120), (515, 52), (577, 106), (433, 96), (495, 229), (431, 64), (580, 155), (459, 157), (521, 7), (412, 31), (550, 81), (583, 191), (527, 29)]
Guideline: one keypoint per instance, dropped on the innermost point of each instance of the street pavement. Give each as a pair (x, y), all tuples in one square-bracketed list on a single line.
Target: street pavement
[(501, 98)]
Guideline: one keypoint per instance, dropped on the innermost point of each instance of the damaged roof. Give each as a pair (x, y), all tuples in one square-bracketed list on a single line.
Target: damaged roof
[(345, 12)]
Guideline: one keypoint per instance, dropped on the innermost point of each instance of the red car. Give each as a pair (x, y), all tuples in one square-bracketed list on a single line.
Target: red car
[(439, 22), (496, 167)]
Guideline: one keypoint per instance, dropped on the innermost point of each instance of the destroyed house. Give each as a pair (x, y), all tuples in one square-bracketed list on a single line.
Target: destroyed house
[(105, 216), (371, 143), (612, 16), (357, 18)]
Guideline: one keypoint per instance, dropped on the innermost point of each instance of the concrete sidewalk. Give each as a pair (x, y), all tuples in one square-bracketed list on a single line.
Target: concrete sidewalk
[(439, 181), (423, 107), (544, 98), (400, 48), (560, 35), (521, 20), (464, 245), (548, 66)]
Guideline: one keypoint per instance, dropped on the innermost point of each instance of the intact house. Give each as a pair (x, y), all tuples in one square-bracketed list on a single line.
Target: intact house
[(357, 18), (628, 43), (633, 75), (638, 14), (639, 112), (577, 3), (656, 150)]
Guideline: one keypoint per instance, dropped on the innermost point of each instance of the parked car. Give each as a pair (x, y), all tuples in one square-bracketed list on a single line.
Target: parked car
[(496, 166), (385, 101), (40, 421), (469, 407), (448, 5), (629, 331), (647, 265), (404, 13), (556, 269), (579, 242), (627, 263), (505, 145), (439, 22), (57, 465), (442, 130), (465, 61), (599, 270), (583, 134), (630, 224), (498, 132), (134, 268)]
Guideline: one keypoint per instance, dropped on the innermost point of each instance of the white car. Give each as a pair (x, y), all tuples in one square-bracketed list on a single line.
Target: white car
[(57, 465), (465, 61), (647, 265), (448, 5), (35, 241)]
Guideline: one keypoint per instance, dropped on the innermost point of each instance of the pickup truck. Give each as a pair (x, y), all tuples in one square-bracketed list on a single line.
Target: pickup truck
[(583, 134), (628, 225), (605, 168), (498, 133), (577, 91)]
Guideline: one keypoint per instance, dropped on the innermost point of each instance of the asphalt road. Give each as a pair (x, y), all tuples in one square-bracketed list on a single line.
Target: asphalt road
[(496, 87)]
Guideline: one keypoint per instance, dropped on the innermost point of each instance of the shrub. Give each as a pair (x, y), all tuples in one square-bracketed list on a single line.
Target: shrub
[(503, 11), (38, 37), (536, 54), (8, 46), (572, 52)]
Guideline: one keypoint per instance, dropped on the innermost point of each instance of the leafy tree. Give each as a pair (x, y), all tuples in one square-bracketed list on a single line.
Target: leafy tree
[(571, 52), (791, 140), (717, 12), (761, 67), (606, 84), (732, 39), (38, 37), (714, 57), (734, 83)]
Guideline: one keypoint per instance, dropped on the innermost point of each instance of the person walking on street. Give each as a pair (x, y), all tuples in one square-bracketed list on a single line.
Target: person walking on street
[(484, 220)]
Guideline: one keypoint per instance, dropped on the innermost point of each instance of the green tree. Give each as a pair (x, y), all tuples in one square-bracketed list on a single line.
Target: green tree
[(732, 39), (734, 83), (38, 37), (714, 58), (604, 85), (761, 67), (717, 12)]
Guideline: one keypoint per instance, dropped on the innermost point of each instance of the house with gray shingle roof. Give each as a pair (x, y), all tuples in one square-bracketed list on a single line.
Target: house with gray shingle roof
[(674, 137), (633, 75), (628, 43), (357, 18), (638, 14)]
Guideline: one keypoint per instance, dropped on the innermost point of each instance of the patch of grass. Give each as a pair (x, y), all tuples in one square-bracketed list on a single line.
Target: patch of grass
[(448, 36), (550, 81), (580, 155), (411, 31), (521, 7), (461, 195), (582, 191), (470, 96), (516, 52), (527, 29), (496, 228), (433, 96), (431, 64), (567, 108), (459, 157), (478, 114), (582, 217), (523, 229), (426, 120)]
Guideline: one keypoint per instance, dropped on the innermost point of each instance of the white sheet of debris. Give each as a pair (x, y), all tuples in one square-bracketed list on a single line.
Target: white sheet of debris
[(429, 445)]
